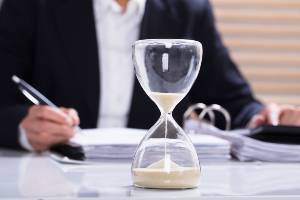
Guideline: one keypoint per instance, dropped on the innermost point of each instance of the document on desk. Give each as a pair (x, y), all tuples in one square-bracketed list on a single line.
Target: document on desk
[(122, 143), (246, 148)]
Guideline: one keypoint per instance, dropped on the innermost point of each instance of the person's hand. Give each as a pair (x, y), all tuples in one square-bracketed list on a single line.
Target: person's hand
[(290, 116), (276, 115), (46, 126)]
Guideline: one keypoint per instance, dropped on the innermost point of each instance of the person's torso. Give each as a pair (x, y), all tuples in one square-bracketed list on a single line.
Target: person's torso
[(66, 63)]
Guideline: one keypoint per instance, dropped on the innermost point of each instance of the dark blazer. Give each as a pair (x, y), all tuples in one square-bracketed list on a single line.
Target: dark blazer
[(52, 45)]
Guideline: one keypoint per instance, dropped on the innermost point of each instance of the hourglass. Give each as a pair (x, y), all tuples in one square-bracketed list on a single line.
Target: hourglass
[(166, 70)]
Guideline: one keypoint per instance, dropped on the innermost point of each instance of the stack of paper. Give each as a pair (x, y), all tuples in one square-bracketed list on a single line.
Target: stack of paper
[(245, 148), (122, 143)]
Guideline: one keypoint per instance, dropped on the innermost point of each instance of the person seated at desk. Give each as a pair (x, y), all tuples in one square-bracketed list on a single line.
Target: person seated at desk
[(78, 54)]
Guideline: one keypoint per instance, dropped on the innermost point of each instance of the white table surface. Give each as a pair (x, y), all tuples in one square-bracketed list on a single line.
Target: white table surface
[(29, 176)]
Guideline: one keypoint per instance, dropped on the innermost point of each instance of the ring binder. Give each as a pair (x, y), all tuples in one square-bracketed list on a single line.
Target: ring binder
[(264, 143), (210, 111)]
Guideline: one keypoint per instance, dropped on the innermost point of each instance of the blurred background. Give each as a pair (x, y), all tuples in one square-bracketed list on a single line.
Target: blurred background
[(264, 39)]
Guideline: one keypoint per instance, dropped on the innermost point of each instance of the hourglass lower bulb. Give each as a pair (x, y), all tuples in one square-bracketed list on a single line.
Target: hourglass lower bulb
[(166, 69)]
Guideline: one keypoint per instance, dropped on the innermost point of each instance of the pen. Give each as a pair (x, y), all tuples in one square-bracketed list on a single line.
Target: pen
[(34, 96)]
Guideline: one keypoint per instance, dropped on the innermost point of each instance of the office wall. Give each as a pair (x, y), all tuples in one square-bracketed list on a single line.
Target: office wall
[(264, 39)]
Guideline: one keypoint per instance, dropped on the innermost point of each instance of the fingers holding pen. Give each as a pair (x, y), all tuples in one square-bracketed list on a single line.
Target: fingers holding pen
[(50, 114), (72, 114), (41, 126), (46, 126)]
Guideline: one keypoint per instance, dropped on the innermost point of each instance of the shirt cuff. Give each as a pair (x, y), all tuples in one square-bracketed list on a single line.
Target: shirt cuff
[(23, 140)]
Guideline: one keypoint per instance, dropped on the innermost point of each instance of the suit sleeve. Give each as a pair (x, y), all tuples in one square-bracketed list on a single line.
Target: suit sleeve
[(16, 47), (219, 80)]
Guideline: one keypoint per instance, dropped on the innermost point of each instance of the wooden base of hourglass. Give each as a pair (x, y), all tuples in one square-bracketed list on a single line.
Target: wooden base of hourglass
[(165, 173)]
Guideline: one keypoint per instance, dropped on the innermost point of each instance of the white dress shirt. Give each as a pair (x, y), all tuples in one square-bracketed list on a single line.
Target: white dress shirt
[(117, 30)]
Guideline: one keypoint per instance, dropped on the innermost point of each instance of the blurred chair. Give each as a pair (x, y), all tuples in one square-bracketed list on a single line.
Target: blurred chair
[(264, 39)]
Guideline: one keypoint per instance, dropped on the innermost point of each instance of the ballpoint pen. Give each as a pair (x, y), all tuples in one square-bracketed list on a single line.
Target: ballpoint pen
[(35, 96)]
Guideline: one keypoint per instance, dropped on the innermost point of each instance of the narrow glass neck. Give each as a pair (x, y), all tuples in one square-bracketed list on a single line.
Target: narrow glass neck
[(165, 115), (164, 112)]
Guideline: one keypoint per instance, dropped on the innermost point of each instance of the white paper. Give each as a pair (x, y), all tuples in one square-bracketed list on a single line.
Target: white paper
[(248, 149), (122, 143)]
